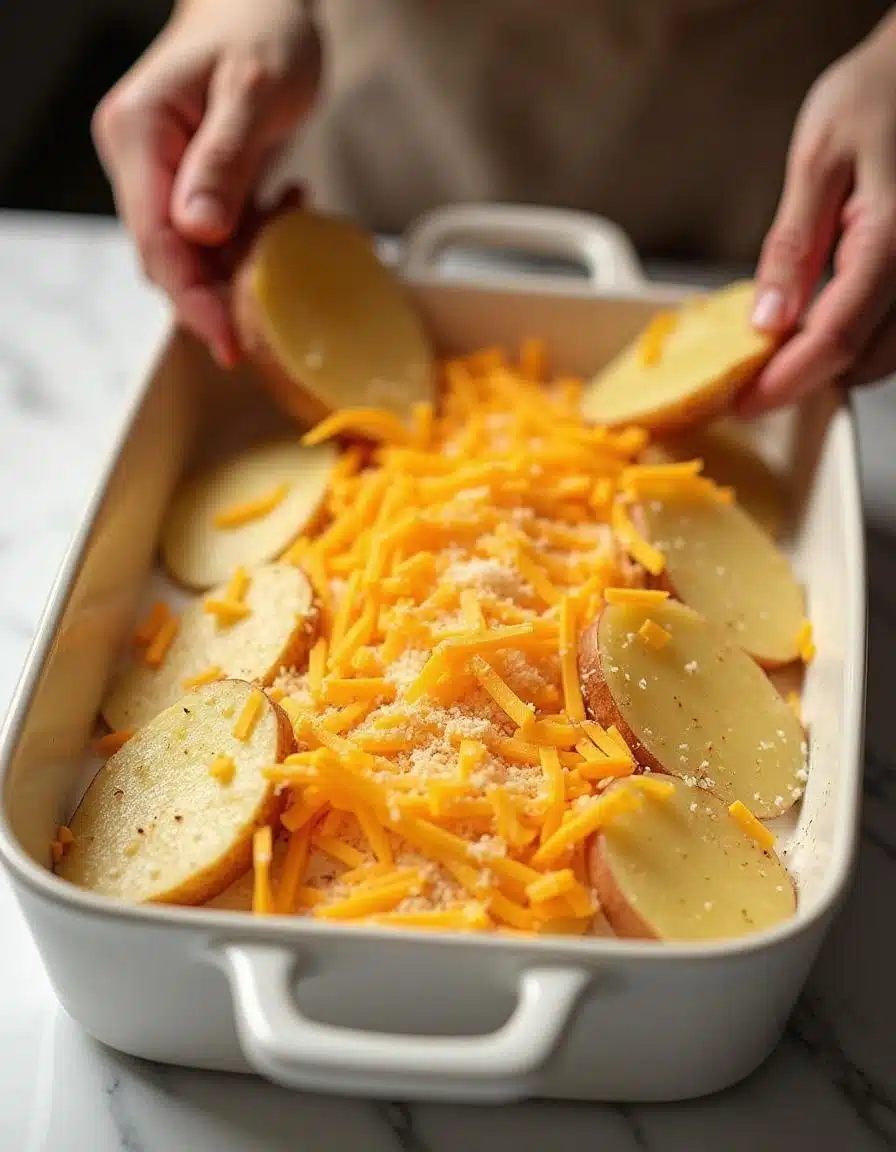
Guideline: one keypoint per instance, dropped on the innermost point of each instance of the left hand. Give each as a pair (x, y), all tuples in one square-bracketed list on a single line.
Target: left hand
[(841, 180)]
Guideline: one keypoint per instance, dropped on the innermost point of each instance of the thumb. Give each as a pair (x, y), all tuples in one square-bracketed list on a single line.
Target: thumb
[(799, 241), (221, 164)]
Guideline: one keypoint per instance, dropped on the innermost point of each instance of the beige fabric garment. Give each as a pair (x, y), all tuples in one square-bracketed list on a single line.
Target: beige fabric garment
[(672, 117)]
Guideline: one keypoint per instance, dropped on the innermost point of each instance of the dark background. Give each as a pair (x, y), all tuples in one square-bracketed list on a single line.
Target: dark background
[(57, 58)]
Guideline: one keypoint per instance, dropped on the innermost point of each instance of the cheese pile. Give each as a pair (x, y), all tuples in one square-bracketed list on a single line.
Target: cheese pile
[(448, 775)]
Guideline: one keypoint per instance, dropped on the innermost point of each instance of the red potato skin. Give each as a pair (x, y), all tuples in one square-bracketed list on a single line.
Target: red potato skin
[(619, 914), (599, 700)]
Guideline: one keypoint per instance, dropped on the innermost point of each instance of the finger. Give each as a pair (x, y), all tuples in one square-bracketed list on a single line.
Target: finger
[(839, 324), (141, 148), (222, 162), (800, 239)]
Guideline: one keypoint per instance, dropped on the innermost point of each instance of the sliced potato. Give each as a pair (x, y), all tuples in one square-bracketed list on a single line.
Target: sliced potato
[(720, 563), (156, 825), (683, 869), (732, 463), (277, 633), (199, 553), (698, 708), (326, 323), (237, 897), (684, 368)]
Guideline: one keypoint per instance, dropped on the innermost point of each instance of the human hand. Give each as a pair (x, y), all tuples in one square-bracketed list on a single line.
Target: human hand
[(186, 135), (839, 194)]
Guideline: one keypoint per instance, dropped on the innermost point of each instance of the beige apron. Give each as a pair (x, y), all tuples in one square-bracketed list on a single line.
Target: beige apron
[(672, 117)]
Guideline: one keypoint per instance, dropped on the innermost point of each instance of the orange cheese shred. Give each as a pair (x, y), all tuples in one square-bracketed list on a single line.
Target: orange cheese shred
[(262, 853), (634, 543), (654, 634), (109, 744), (238, 515), (206, 676), (249, 716), (149, 628), (222, 768), (752, 827), (158, 647)]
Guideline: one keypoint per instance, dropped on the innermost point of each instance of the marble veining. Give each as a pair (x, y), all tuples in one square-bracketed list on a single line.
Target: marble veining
[(76, 327)]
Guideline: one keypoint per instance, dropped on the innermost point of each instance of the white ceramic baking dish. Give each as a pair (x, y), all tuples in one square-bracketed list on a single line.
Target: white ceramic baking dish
[(396, 1013)]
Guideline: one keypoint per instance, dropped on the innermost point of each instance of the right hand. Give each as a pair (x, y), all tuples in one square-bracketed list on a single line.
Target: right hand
[(187, 134)]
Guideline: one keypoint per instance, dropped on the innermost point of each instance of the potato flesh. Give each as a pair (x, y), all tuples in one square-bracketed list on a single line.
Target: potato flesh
[(155, 825), (199, 554), (730, 462), (721, 564), (701, 707), (336, 319), (239, 896), (713, 348), (689, 871), (277, 633)]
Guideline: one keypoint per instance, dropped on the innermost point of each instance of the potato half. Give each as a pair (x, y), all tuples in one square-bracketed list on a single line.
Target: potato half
[(156, 825), (731, 462), (685, 367), (723, 565), (698, 708), (277, 633), (326, 323), (200, 554), (682, 869)]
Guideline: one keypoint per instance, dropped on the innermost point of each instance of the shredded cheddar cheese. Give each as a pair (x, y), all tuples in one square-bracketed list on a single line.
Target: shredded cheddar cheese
[(226, 612), (249, 716), (238, 586), (446, 773), (222, 768), (641, 596), (158, 647), (654, 634), (238, 515), (805, 643), (206, 676), (751, 826), (655, 335), (149, 628), (367, 422), (635, 544), (109, 744), (262, 852)]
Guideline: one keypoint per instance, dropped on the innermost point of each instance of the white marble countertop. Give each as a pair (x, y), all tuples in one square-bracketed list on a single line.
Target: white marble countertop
[(75, 322)]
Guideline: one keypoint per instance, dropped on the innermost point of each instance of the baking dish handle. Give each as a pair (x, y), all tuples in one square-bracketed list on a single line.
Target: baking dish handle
[(283, 1044), (598, 244)]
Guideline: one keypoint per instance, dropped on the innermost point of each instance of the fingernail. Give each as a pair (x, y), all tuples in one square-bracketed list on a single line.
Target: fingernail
[(769, 309), (204, 211)]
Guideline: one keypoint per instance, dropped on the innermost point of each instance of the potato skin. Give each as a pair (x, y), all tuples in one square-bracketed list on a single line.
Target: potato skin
[(599, 700), (619, 914)]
